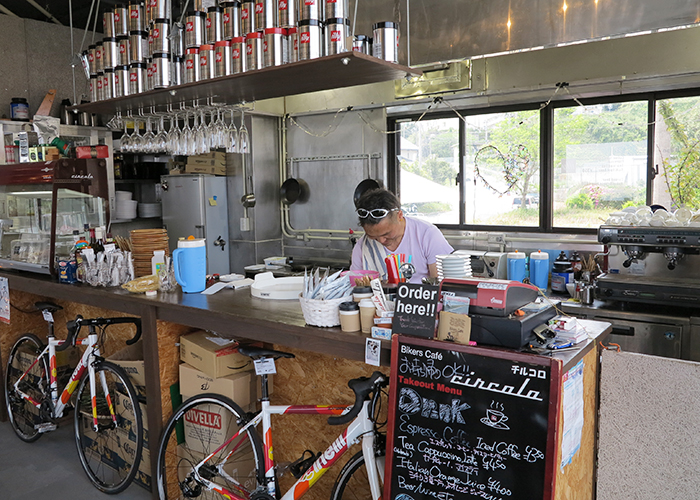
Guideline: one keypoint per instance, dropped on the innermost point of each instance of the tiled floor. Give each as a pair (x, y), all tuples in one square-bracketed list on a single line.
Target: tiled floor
[(49, 468)]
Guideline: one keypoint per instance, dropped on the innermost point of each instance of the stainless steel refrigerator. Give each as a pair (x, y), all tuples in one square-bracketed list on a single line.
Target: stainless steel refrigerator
[(196, 204)]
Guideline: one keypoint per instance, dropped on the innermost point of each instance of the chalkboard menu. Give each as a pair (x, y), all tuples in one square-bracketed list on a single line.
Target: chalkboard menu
[(469, 422)]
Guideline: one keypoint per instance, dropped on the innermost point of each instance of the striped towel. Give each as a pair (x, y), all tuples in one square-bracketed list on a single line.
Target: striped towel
[(373, 254)]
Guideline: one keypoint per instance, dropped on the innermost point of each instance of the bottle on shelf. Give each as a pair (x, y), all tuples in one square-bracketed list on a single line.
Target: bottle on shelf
[(157, 261)]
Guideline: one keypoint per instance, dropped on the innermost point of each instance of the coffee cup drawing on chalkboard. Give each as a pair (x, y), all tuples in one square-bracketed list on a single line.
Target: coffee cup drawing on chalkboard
[(495, 419)]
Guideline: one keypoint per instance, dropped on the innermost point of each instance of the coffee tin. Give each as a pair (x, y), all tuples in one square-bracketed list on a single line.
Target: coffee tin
[(111, 52), (136, 17), (293, 44), (214, 25), (222, 58), (336, 8), (247, 17), (108, 24), (336, 34), (99, 56), (238, 55), (108, 84), (92, 59), (206, 61), (161, 71), (123, 50), (149, 74), (194, 28), (311, 9), (273, 47), (159, 36), (177, 76), (232, 19), (121, 20), (309, 39), (159, 9), (137, 78), (362, 43), (121, 81), (138, 46), (93, 88), (192, 65), (286, 13), (100, 85), (385, 43), (254, 50), (265, 14)]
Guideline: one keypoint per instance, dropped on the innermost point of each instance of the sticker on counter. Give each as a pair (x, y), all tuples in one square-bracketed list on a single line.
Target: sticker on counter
[(265, 366), (373, 349)]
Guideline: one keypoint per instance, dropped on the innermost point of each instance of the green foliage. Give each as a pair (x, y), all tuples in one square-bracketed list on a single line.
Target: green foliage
[(433, 207), (432, 168), (581, 200)]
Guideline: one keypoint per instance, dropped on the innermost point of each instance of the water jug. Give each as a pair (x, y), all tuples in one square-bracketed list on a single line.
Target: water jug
[(539, 269), (516, 266), (190, 265)]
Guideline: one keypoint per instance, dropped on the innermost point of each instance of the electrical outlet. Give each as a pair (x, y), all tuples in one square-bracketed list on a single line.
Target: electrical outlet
[(497, 238)]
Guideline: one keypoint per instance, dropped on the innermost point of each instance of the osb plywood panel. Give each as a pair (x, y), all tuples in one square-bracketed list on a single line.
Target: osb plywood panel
[(649, 446), (169, 361), (312, 379), (575, 481)]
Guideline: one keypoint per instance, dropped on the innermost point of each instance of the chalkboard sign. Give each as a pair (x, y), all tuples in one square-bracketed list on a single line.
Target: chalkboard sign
[(416, 310), (469, 423)]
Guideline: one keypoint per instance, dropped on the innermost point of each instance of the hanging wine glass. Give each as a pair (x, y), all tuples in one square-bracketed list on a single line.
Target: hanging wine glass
[(231, 137), (148, 138), (173, 135), (243, 136), (161, 137), (187, 138), (220, 131), (137, 138), (125, 141), (201, 143)]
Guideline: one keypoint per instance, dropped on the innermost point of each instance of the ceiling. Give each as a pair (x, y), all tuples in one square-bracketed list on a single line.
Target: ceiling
[(59, 10)]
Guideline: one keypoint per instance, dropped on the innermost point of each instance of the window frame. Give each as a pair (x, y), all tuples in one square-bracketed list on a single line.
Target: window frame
[(546, 159)]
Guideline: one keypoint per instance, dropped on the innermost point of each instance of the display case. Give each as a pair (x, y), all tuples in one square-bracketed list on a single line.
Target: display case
[(41, 204)]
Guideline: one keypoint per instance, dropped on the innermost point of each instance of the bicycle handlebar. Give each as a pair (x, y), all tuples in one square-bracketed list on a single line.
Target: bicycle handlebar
[(362, 387), (75, 325)]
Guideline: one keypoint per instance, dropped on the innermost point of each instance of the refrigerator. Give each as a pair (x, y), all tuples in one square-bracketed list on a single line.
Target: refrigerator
[(196, 204)]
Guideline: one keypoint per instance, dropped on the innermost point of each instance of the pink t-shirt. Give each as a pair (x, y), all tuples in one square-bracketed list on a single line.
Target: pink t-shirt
[(422, 240)]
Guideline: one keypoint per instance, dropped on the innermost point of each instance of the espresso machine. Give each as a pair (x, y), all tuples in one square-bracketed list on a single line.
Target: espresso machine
[(656, 265)]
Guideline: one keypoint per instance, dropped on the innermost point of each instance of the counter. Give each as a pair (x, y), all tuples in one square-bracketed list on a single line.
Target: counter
[(326, 357)]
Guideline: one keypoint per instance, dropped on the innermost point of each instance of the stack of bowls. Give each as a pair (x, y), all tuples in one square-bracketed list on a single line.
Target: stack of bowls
[(454, 266), (144, 242), (149, 210), (126, 207)]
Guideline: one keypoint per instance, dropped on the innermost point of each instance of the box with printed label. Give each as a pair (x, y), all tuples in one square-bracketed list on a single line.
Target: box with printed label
[(454, 327), (243, 388), (215, 356), (205, 169), (122, 406), (130, 359)]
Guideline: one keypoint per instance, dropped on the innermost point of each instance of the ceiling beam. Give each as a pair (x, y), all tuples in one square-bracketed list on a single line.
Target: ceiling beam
[(44, 11), (7, 11)]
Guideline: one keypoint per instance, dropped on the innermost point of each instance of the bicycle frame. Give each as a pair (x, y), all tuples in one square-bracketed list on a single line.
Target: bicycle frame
[(86, 363), (361, 427)]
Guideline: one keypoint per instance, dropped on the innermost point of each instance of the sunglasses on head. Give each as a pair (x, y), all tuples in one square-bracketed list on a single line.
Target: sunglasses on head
[(377, 213)]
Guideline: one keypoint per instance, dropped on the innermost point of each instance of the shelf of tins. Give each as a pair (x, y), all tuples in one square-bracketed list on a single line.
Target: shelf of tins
[(346, 69)]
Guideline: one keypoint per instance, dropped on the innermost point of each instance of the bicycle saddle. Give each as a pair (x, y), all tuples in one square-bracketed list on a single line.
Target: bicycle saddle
[(47, 306), (259, 352)]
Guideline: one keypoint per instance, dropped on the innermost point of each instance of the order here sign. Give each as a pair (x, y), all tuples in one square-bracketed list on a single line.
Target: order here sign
[(416, 309)]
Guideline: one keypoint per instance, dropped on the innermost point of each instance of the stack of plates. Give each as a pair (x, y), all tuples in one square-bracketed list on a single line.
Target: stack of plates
[(454, 266), (144, 242), (149, 210), (126, 207)]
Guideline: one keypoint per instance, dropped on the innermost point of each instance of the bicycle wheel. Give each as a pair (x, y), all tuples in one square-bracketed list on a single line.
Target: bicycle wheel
[(24, 416), (352, 482), (111, 454), (197, 428)]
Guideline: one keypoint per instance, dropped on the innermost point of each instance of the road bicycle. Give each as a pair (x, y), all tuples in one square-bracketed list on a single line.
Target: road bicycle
[(107, 419), (210, 448)]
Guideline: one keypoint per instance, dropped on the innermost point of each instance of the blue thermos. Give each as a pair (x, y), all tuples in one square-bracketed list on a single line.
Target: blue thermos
[(516, 266), (539, 269), (190, 265)]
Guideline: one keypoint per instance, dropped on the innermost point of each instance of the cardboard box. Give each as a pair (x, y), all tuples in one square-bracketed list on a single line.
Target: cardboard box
[(215, 356), (120, 402), (210, 163), (130, 359), (205, 169), (206, 428), (243, 388), (454, 327)]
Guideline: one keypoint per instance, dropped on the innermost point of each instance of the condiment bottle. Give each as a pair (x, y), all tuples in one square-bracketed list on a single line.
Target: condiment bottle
[(157, 261), (349, 316)]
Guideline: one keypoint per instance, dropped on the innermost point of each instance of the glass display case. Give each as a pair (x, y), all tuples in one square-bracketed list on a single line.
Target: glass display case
[(42, 204)]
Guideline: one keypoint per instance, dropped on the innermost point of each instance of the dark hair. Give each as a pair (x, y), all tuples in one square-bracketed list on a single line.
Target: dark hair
[(377, 198)]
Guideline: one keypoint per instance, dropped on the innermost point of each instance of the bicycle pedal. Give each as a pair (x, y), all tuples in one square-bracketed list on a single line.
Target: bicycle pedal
[(299, 467), (45, 427)]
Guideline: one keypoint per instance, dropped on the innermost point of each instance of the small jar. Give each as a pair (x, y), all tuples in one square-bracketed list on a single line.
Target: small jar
[(206, 62), (273, 47), (309, 39), (214, 24), (238, 55), (349, 317), (247, 17), (254, 50), (232, 19), (222, 58), (192, 73), (361, 292)]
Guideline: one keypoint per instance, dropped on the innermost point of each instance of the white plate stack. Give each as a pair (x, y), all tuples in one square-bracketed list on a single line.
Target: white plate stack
[(149, 210), (454, 266), (126, 207)]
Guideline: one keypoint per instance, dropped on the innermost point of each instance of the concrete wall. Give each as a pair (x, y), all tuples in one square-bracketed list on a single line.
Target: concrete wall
[(35, 58)]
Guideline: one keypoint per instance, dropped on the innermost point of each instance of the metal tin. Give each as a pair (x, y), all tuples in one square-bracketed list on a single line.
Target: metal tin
[(108, 24), (137, 78), (99, 56), (108, 84), (293, 44), (247, 17), (121, 81), (336, 8), (110, 57), (100, 85), (222, 58), (286, 13), (121, 20), (161, 71), (337, 32), (206, 61), (158, 36), (192, 65), (92, 59), (265, 14), (149, 75), (194, 29), (122, 50), (232, 19), (93, 88), (273, 47), (238, 55), (386, 41), (310, 9), (214, 25), (138, 46), (177, 76), (159, 9), (362, 43), (254, 50), (309, 39), (136, 16)]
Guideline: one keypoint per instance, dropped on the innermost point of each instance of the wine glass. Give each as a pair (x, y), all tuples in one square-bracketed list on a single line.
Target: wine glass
[(200, 135), (173, 136), (187, 138), (160, 140), (125, 141), (231, 137), (136, 138), (220, 131), (243, 136), (148, 138)]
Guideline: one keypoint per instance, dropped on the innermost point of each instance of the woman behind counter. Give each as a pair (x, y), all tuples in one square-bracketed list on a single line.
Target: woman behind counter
[(388, 230)]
